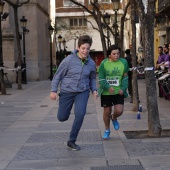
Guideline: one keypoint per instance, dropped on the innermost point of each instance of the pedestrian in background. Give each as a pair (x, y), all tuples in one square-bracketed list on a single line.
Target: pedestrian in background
[(167, 56), (160, 66), (161, 59), (113, 80), (128, 58), (77, 76)]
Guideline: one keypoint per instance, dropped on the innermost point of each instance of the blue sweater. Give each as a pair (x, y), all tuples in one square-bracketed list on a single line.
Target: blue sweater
[(73, 76)]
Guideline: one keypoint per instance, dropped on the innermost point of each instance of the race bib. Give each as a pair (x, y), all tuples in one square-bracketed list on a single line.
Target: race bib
[(113, 81)]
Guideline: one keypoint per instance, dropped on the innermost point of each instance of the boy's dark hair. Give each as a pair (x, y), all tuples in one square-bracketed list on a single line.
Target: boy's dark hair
[(84, 39), (111, 48), (127, 51)]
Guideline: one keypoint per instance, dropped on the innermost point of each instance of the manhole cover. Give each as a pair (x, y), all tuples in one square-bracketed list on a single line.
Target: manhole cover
[(119, 167), (141, 134)]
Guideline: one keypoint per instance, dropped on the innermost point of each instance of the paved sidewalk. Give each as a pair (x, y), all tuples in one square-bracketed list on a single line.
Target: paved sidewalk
[(31, 137)]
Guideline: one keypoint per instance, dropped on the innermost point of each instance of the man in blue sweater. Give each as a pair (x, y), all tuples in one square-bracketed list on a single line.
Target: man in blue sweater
[(76, 76)]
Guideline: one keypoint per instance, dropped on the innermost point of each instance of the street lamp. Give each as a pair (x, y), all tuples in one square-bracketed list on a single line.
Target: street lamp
[(107, 20), (2, 83), (23, 22), (51, 29), (61, 53), (116, 6), (58, 52), (60, 38), (64, 43)]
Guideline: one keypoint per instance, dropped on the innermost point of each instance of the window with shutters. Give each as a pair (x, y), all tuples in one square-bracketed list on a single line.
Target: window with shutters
[(78, 23)]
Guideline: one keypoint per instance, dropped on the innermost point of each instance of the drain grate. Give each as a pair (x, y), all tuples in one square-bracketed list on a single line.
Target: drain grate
[(119, 167)]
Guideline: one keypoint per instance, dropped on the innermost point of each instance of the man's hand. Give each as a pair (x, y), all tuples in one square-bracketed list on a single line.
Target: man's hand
[(53, 96)]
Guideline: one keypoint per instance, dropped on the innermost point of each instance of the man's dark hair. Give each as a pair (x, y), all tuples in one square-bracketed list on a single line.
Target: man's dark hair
[(84, 39), (161, 47), (111, 48), (166, 46), (127, 51)]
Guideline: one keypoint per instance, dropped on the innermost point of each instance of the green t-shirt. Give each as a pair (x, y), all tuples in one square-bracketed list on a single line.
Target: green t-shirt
[(111, 75)]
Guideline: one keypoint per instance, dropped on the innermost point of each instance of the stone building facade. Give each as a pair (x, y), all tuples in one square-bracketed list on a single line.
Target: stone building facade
[(39, 14)]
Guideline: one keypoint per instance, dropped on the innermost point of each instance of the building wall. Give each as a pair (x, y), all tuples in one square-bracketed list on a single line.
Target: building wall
[(37, 45), (64, 14), (8, 45), (162, 25)]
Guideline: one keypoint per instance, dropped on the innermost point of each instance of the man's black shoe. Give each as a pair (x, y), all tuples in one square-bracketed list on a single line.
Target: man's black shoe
[(73, 146)]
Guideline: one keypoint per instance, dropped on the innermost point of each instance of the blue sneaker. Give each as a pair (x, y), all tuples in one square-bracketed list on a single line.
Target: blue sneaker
[(115, 124), (106, 134)]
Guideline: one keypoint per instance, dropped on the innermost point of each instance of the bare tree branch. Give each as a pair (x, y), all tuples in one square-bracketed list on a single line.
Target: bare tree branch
[(97, 15), (122, 25), (80, 5), (141, 8), (18, 4)]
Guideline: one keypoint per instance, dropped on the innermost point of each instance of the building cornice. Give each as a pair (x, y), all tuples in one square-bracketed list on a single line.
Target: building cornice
[(78, 14)]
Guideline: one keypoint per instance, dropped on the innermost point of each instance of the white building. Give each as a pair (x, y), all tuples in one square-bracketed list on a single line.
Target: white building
[(80, 22)]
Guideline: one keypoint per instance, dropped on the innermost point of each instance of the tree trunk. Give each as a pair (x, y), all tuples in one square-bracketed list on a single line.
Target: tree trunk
[(18, 47), (102, 34), (147, 20), (2, 83), (151, 92), (134, 62), (122, 28)]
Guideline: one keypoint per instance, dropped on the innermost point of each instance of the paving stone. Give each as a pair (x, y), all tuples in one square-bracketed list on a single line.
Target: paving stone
[(16, 138), (14, 109), (54, 151), (119, 167), (147, 149), (33, 164), (11, 113), (55, 126), (9, 119), (47, 137), (82, 162), (112, 161), (3, 126), (3, 164), (50, 123)]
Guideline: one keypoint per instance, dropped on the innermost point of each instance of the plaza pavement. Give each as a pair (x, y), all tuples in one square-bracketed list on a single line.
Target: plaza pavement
[(31, 137)]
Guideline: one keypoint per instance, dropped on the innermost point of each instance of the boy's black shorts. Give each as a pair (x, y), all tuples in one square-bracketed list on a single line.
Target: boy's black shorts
[(110, 100)]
